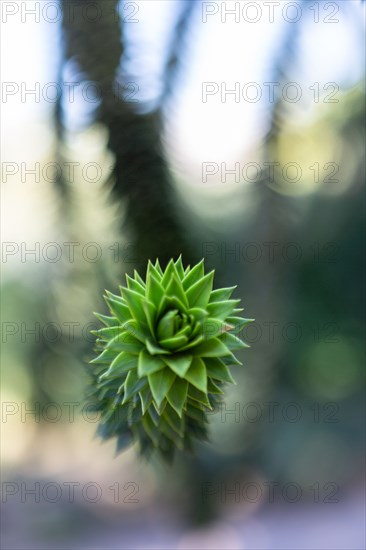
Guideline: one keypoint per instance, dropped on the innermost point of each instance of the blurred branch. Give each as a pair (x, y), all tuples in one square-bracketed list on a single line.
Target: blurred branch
[(183, 25), (143, 180), (281, 67)]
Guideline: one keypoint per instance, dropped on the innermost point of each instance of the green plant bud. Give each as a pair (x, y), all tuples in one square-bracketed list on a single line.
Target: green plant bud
[(163, 357)]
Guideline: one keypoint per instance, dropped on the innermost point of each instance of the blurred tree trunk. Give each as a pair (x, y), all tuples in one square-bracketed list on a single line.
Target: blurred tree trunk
[(142, 178)]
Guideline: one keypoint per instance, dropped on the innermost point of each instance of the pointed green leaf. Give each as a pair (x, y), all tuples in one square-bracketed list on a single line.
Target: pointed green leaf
[(196, 412), (106, 320), (216, 369), (173, 419), (221, 294), (146, 398), (165, 328), (174, 343), (160, 383), (179, 267), (150, 313), (198, 313), (169, 303), (161, 408), (175, 289), (199, 396), (158, 268), (212, 387), (105, 357), (171, 434), (118, 309), (192, 344), (195, 274), (232, 342), (177, 395), (168, 274), (148, 364), (107, 333), (155, 349), (115, 297), (186, 331), (179, 363), (238, 323), (199, 431), (221, 310), (154, 413), (139, 279), (151, 430), (124, 362), (199, 293), (125, 342), (197, 375), (132, 385), (197, 330), (213, 327), (152, 270), (134, 302), (133, 328), (211, 348), (132, 284), (230, 360), (154, 291)]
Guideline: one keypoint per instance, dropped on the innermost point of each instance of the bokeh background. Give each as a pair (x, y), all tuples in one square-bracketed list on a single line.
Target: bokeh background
[(119, 132)]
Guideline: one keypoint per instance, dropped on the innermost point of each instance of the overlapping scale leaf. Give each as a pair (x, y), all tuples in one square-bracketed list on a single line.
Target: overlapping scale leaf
[(164, 354)]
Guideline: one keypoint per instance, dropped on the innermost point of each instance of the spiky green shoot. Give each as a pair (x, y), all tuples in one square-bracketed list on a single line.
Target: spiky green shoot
[(163, 357)]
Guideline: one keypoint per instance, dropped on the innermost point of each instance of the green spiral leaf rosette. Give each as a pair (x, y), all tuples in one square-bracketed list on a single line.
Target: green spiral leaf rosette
[(163, 357)]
